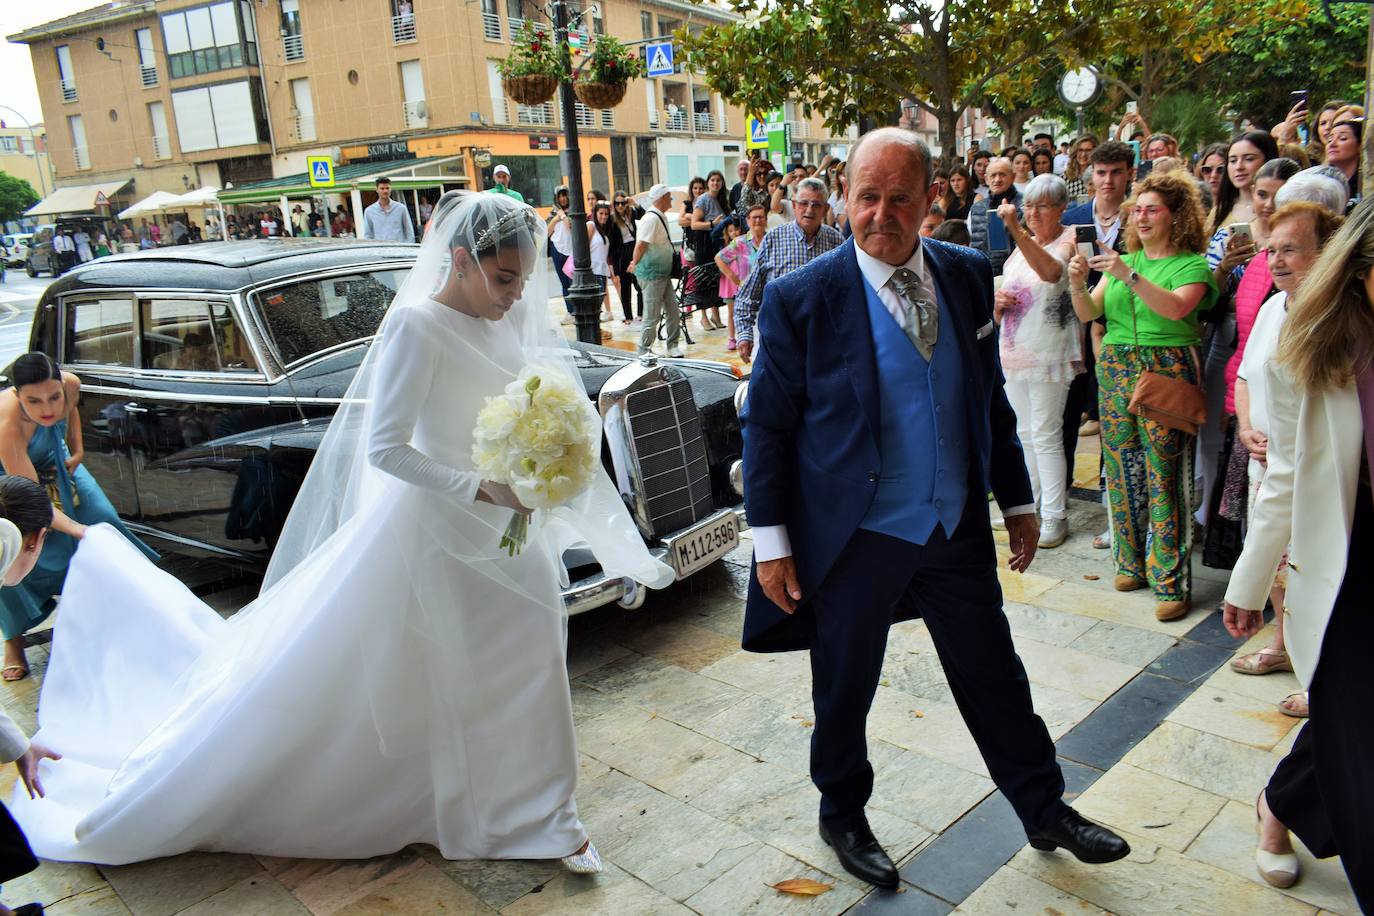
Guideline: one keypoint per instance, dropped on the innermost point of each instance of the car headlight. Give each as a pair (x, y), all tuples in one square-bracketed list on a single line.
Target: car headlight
[(737, 476), (741, 395)]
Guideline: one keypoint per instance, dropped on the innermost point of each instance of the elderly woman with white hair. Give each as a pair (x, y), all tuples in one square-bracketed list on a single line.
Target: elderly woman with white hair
[(1040, 342)]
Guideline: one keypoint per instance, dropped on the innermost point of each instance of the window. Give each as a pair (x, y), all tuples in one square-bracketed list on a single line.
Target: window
[(305, 109), (500, 113), (162, 143), (206, 39), (293, 45), (535, 177), (646, 24), (64, 73), (10, 144), (415, 111), (491, 20), (214, 117), (305, 318), (100, 332), (147, 57), (79, 150), (192, 335)]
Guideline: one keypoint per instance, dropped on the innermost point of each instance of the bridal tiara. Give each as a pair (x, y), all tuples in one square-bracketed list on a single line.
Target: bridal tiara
[(521, 219)]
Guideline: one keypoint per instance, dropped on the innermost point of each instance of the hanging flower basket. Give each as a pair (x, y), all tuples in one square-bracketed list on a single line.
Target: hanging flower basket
[(599, 95), (533, 89)]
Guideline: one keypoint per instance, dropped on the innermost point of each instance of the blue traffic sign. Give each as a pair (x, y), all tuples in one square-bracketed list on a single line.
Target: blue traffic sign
[(321, 171), (659, 59)]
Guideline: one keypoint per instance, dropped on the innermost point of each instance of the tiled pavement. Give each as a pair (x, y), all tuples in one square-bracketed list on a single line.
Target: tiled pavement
[(694, 781)]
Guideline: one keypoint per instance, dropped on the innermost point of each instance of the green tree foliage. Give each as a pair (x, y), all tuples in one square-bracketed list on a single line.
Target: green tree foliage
[(1030, 91), (16, 196), (1195, 120), (1265, 61), (853, 59)]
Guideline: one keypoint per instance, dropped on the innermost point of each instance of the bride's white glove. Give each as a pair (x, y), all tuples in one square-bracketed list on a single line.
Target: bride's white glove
[(498, 494)]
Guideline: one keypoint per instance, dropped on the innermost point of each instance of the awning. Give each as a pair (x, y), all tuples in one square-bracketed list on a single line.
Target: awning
[(404, 173), (85, 198), (201, 197), (155, 202)]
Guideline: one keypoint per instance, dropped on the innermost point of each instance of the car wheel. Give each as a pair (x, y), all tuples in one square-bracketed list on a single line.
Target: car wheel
[(28, 269)]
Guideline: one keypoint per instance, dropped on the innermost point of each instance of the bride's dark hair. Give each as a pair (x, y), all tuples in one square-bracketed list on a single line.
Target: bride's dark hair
[(25, 503)]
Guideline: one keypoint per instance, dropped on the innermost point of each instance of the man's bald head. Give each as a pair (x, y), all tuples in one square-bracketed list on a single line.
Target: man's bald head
[(883, 139), (999, 174)]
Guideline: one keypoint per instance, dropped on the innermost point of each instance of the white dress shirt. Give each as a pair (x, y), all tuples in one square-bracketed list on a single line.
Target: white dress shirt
[(771, 541)]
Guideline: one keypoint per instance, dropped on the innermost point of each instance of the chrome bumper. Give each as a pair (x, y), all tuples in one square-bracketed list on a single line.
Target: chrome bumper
[(599, 589)]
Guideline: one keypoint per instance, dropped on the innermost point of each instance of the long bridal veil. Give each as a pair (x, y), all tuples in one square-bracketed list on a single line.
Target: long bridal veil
[(335, 715)]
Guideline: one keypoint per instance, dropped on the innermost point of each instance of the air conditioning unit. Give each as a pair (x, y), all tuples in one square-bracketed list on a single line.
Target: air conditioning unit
[(421, 109)]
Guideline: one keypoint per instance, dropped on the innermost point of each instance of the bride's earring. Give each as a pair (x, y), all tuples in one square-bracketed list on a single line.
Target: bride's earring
[(460, 275)]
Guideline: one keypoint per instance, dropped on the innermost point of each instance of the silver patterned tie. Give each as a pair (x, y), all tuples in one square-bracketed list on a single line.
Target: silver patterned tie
[(921, 317)]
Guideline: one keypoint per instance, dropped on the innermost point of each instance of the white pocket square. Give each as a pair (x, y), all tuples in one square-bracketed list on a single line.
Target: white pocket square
[(985, 330)]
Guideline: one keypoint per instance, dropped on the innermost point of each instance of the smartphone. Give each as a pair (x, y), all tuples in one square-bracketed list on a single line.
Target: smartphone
[(1297, 97), (1240, 233), (1135, 149), (1132, 107), (997, 233), (1144, 169), (1085, 237)]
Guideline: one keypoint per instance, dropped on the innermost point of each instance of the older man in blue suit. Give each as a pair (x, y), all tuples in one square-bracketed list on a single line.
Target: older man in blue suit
[(875, 425)]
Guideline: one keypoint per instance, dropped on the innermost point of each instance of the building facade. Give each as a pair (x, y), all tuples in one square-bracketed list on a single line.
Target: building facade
[(24, 154), (178, 94)]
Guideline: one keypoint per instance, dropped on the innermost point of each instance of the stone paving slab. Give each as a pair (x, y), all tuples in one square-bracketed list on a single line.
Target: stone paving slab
[(694, 785)]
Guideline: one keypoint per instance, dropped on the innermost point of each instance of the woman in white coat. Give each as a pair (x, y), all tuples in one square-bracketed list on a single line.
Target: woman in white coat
[(1317, 492)]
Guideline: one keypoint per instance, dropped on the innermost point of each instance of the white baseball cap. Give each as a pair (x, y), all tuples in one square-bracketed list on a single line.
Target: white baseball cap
[(500, 170), (658, 191)]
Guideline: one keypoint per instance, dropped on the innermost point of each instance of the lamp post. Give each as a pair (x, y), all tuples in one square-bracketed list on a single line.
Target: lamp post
[(584, 295), (37, 163)]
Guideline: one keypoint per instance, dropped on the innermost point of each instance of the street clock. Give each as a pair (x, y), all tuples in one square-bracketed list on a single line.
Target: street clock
[(1080, 88)]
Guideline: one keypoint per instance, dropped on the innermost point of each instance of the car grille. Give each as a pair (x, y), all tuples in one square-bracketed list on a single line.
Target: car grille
[(671, 450)]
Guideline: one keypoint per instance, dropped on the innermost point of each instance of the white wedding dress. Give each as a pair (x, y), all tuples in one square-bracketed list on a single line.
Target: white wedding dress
[(397, 686)]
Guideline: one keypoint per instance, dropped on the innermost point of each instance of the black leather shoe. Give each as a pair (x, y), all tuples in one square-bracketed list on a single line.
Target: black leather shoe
[(1089, 842), (861, 856)]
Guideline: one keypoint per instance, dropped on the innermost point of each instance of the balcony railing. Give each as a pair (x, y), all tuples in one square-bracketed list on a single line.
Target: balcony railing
[(675, 121), (294, 46), (305, 127), (491, 26), (68, 90), (705, 124), (403, 28), (583, 115), (607, 119), (149, 75), (162, 147), (799, 128), (541, 115), (517, 24), (83, 159), (415, 114)]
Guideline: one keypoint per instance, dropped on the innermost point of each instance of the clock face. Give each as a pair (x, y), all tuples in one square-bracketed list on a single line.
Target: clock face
[(1078, 86)]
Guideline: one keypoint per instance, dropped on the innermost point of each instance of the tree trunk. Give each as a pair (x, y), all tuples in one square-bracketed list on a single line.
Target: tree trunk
[(949, 135)]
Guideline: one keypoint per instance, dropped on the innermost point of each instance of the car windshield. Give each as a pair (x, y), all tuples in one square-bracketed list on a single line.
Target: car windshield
[(306, 317)]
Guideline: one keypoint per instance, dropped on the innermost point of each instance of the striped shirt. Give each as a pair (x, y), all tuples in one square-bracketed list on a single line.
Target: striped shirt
[(784, 249)]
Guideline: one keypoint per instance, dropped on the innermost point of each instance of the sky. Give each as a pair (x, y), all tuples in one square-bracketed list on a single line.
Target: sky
[(17, 89)]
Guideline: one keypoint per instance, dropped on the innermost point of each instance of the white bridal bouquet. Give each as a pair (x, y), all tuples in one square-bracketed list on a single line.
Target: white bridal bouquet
[(542, 439)]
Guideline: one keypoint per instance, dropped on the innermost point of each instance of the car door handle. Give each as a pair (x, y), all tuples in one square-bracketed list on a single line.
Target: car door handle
[(134, 408)]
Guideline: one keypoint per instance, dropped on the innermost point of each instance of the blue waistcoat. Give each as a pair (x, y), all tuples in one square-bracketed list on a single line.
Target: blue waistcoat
[(923, 440)]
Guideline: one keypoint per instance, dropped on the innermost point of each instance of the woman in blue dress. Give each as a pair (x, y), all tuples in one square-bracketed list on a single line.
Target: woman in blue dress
[(40, 438)]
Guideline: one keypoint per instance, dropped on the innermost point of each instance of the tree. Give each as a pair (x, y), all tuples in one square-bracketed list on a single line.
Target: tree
[(1014, 98), (1266, 61), (16, 196), (853, 59), (1146, 51)]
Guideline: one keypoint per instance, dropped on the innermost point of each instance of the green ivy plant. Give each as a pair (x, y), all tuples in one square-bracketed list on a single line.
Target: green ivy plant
[(610, 62), (533, 53)]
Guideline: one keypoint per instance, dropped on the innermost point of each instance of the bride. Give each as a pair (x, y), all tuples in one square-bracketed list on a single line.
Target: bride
[(400, 679)]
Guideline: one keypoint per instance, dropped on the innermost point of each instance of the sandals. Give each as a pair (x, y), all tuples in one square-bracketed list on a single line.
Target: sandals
[(1295, 705), (22, 669), (1265, 661), (1103, 541), (1278, 869), (585, 862)]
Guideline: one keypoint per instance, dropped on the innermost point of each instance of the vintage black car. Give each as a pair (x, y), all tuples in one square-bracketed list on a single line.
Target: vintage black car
[(210, 372)]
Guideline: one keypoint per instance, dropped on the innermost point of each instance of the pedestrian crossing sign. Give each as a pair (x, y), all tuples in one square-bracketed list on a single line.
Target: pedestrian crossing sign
[(659, 59), (758, 134), (321, 171)]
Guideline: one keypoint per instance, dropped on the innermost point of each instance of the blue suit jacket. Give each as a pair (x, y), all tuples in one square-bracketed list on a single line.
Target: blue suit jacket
[(811, 450)]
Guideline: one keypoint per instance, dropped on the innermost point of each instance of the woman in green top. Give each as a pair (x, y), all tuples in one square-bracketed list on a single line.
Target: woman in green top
[(1151, 298)]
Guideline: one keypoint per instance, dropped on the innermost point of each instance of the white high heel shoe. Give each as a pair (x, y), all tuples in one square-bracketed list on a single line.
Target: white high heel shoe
[(586, 862)]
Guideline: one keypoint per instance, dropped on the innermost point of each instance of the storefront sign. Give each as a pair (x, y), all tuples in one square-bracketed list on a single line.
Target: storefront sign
[(482, 158), (543, 141), (391, 149)]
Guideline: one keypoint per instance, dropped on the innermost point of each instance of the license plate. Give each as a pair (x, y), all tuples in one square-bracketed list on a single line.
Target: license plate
[(703, 545)]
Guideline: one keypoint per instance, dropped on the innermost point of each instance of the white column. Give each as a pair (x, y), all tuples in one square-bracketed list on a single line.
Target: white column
[(356, 197), (285, 206)]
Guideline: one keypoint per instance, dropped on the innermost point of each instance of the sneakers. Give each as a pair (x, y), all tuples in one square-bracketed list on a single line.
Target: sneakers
[(1053, 532)]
